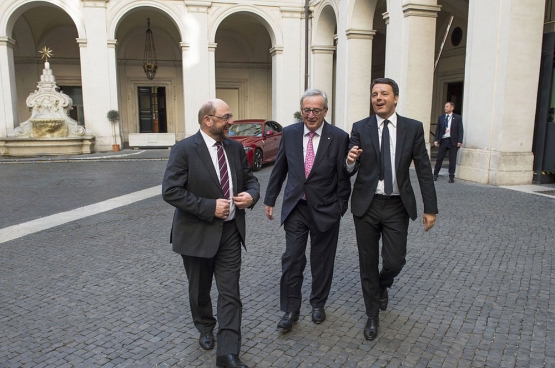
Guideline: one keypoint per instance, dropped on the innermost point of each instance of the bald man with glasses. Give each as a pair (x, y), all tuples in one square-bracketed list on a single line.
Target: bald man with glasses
[(311, 156), (210, 183)]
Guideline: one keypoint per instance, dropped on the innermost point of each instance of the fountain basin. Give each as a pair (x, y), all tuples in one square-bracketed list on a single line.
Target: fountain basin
[(25, 147)]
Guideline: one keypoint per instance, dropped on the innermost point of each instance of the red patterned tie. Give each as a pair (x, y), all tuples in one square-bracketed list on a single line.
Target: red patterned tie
[(224, 176), (309, 159)]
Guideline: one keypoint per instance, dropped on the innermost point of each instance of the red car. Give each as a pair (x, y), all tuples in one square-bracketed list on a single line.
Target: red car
[(260, 139)]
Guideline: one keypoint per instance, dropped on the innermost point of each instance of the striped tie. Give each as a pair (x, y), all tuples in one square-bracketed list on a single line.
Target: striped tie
[(224, 175)]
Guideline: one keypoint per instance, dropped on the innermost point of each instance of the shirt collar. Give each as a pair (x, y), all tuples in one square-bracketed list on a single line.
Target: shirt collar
[(210, 142), (392, 120), (317, 131)]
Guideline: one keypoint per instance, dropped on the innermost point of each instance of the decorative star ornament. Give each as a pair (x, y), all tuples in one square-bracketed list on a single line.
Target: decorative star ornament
[(46, 53)]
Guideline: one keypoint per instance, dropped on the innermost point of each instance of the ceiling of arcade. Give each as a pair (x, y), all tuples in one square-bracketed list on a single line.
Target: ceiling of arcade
[(240, 37)]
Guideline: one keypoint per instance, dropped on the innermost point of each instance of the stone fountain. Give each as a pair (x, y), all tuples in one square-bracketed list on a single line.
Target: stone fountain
[(50, 130)]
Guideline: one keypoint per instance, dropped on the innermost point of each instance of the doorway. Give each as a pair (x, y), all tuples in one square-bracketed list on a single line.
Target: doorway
[(455, 95), (76, 95), (152, 110)]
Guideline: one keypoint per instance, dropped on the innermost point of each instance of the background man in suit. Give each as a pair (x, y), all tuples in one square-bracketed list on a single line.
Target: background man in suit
[(311, 155), (209, 182), (449, 137), (382, 148)]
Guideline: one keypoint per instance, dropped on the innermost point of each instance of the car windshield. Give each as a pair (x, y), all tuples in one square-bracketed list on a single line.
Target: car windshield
[(252, 130)]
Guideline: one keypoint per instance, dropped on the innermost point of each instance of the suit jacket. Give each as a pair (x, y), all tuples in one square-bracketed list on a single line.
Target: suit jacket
[(411, 147), (327, 187), (191, 185), (456, 129)]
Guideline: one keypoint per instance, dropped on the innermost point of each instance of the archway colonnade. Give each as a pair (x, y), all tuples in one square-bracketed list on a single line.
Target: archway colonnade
[(255, 55)]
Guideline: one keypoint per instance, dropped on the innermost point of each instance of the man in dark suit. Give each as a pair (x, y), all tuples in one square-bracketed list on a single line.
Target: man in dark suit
[(382, 148), (311, 155), (209, 182), (449, 137)]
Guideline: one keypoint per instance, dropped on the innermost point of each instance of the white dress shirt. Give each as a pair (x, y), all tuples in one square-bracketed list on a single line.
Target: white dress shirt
[(392, 127), (448, 128), (213, 150), (315, 140)]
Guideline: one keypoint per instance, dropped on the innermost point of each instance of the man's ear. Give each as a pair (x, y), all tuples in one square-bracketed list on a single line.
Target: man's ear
[(207, 121)]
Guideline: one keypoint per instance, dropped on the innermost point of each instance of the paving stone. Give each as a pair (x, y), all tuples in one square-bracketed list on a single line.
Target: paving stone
[(107, 291)]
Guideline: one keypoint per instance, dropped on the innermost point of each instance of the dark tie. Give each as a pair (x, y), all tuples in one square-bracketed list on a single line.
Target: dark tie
[(385, 161), (224, 176), (446, 122)]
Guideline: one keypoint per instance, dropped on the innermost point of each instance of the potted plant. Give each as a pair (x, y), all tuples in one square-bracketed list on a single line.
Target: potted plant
[(297, 116), (113, 117)]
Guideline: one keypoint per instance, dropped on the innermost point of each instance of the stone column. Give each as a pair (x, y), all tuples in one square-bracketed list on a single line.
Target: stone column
[(358, 76), (97, 68), (410, 51), (8, 91), (322, 73), (113, 75), (212, 66), (197, 88), (501, 83), (277, 84), (355, 36), (291, 85)]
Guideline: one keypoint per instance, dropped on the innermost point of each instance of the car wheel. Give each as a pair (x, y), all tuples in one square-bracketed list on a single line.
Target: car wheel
[(257, 160)]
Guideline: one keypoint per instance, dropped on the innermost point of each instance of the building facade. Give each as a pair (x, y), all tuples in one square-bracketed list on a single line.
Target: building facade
[(259, 56)]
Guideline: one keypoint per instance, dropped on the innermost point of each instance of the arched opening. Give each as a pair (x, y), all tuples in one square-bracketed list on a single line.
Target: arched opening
[(450, 56), (149, 106), (50, 26), (244, 66)]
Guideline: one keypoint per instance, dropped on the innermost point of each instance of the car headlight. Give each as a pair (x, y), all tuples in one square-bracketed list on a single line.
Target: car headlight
[(247, 149)]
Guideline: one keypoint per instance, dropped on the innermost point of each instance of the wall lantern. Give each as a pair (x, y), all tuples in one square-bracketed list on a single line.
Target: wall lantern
[(150, 64)]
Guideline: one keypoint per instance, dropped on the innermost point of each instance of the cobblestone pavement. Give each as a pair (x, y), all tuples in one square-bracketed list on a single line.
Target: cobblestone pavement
[(107, 291)]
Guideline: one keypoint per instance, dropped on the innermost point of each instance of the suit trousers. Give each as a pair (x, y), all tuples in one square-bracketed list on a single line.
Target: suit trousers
[(225, 266), (323, 246), (446, 145), (387, 218)]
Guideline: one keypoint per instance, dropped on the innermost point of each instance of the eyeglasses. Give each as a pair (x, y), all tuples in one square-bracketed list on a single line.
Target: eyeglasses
[(225, 118), (316, 112)]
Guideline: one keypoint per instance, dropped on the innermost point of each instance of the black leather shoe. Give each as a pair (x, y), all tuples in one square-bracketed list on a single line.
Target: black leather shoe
[(206, 341), (384, 298), (451, 180), (435, 177), (371, 328), (230, 361), (286, 322), (318, 315)]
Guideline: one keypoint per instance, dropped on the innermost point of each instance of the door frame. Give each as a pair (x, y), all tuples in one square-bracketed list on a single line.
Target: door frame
[(130, 124), (242, 86)]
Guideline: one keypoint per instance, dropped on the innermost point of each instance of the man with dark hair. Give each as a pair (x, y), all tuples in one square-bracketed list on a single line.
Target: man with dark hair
[(209, 182), (448, 137), (311, 155), (382, 148)]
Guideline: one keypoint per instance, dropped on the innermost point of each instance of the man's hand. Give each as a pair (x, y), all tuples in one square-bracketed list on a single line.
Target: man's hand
[(269, 212), (436, 144), (243, 200), (222, 208), (459, 145), (353, 154), (429, 221)]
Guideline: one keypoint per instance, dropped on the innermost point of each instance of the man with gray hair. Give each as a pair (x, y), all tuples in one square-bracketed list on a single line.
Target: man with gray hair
[(311, 155)]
